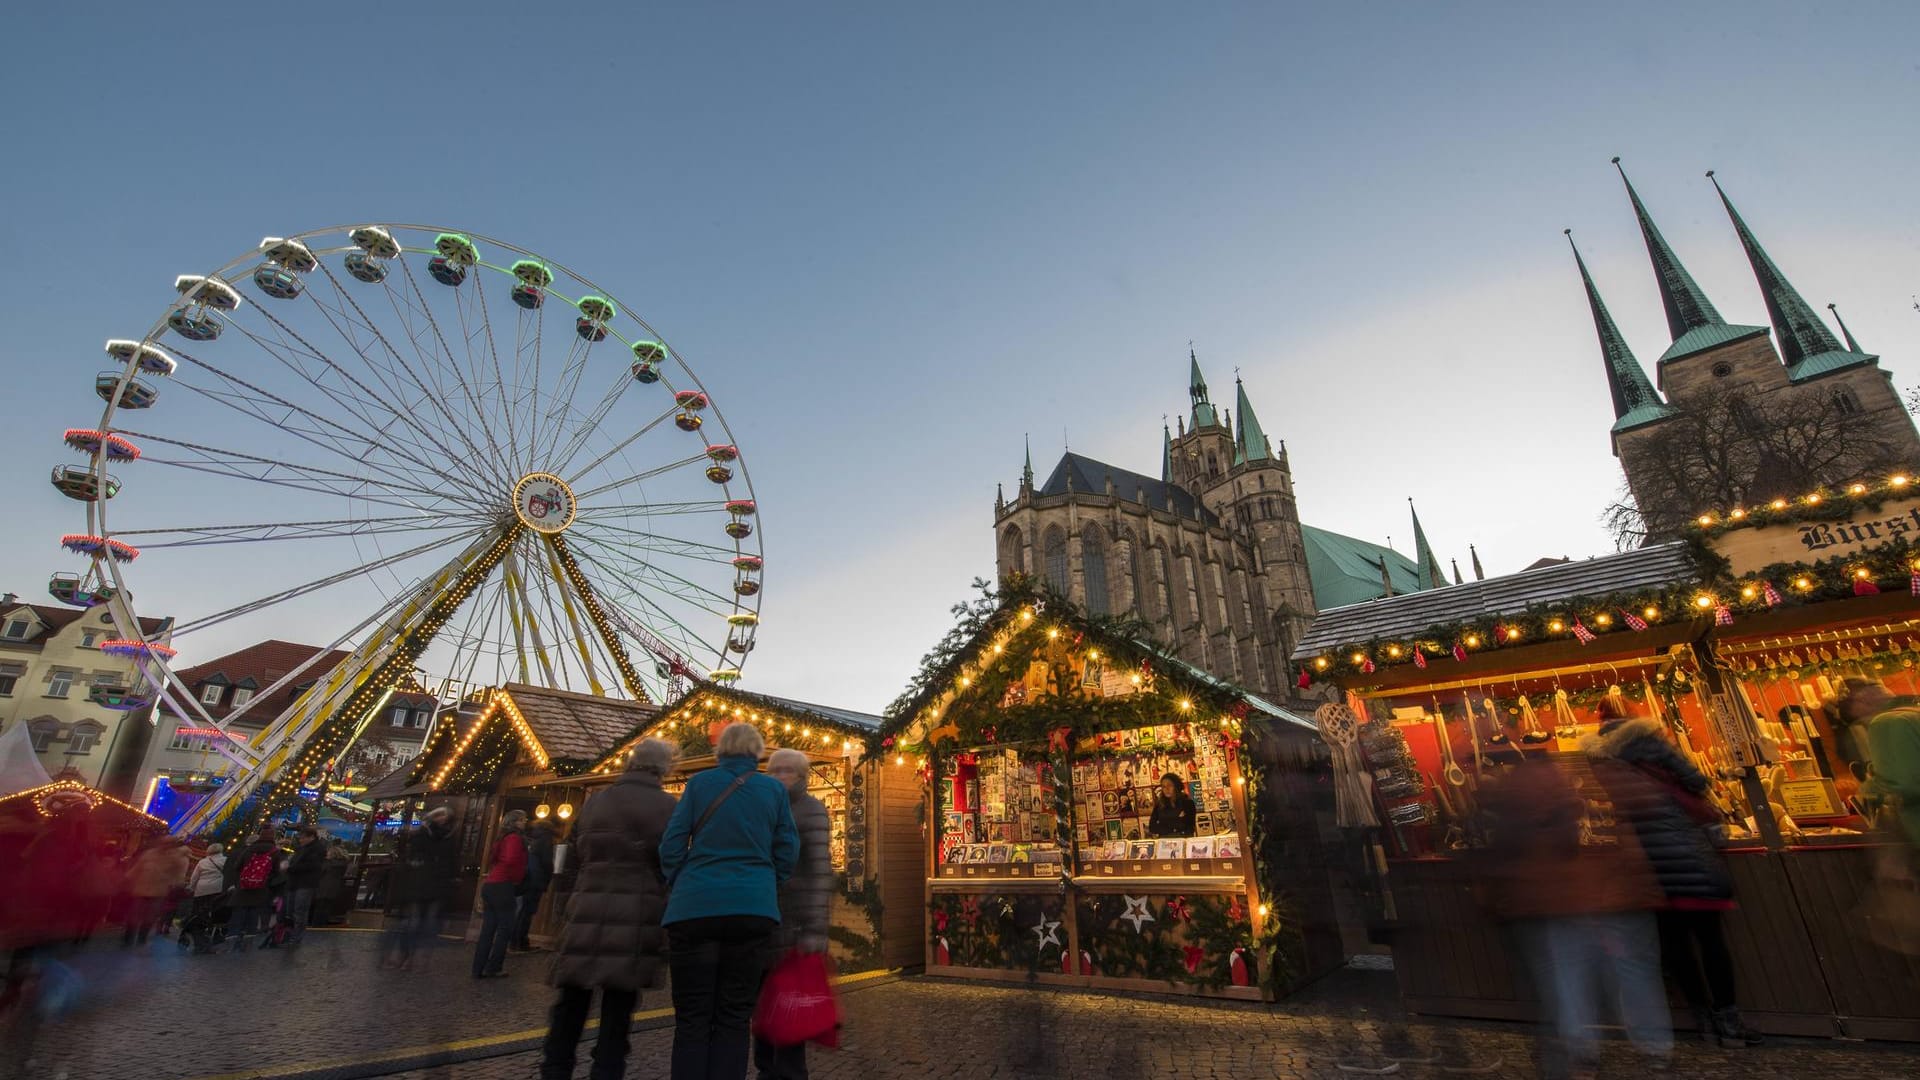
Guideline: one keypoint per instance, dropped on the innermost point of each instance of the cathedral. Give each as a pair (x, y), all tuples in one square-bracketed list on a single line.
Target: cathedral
[(1739, 417), (1211, 554)]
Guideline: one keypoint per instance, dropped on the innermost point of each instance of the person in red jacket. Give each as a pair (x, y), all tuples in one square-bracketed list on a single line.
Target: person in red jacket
[(499, 895)]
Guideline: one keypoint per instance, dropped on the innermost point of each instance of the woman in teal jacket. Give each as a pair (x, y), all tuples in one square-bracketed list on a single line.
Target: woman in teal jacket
[(727, 848)]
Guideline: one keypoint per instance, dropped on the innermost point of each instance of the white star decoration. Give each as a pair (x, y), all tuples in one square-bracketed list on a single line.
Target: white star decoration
[(1047, 930), (1137, 912)]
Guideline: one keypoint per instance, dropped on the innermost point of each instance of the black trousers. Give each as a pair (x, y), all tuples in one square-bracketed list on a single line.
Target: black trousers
[(529, 906), (496, 927), (569, 1018), (1693, 944), (717, 964), (779, 1062)]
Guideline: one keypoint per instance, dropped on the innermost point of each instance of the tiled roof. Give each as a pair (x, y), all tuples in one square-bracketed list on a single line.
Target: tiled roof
[(829, 712), (1702, 338), (265, 663), (1089, 477), (56, 619), (578, 728), (1827, 363), (1514, 594), (1345, 570)]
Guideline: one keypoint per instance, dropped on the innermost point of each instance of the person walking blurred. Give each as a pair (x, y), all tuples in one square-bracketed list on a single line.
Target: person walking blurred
[(1656, 790), (499, 895), (208, 882), (612, 940), (729, 845), (304, 870), (539, 876), (1581, 917), (252, 875), (806, 899), (159, 867), (429, 860)]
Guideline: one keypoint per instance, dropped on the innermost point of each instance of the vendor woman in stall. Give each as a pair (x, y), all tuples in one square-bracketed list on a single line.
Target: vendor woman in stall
[(1172, 809)]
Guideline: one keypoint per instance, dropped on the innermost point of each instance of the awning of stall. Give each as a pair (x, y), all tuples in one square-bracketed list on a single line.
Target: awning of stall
[(551, 730), (970, 687), (398, 784), (70, 799), (785, 722)]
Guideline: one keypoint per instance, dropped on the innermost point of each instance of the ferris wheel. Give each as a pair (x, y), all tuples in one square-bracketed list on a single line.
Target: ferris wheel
[(432, 450)]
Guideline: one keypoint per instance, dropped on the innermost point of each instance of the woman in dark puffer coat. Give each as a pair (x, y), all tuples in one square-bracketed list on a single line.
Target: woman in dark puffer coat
[(1654, 788), (612, 940)]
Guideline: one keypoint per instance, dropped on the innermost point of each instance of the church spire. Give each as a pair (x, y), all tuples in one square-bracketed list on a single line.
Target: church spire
[(1166, 453), (1852, 345), (1426, 566), (1026, 470), (1796, 329), (1635, 401), (1249, 441), (1203, 414), (1478, 574), (1687, 307)]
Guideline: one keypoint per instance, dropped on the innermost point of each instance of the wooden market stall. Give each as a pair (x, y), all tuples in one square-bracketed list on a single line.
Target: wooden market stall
[(1041, 737), (1740, 638)]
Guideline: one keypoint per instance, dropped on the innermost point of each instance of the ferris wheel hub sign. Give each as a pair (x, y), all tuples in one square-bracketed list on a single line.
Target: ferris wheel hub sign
[(544, 503)]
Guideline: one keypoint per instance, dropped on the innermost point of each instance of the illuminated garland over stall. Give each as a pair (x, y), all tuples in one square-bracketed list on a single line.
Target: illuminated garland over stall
[(695, 721), (1716, 593)]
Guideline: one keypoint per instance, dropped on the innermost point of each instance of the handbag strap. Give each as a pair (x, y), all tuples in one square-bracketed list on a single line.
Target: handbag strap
[(738, 783)]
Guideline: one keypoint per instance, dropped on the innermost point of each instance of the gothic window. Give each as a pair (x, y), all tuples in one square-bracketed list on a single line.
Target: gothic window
[(1163, 587), (1190, 573), (1012, 553), (1213, 465), (1056, 556), (1743, 416), (1845, 403), (1266, 507), (1218, 588), (1136, 571), (1093, 567), (41, 732)]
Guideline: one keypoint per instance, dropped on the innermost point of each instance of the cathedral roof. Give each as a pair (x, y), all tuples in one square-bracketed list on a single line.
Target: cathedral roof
[(1089, 477), (1346, 570)]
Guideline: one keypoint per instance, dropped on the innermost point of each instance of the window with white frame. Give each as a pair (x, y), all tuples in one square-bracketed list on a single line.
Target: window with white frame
[(400, 715), (242, 695), (17, 628), (42, 731), (59, 682), (182, 740), (90, 639), (210, 694), (7, 683), (85, 736), (420, 717)]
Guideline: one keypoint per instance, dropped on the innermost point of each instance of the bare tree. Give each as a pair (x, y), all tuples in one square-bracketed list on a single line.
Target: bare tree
[(1730, 447)]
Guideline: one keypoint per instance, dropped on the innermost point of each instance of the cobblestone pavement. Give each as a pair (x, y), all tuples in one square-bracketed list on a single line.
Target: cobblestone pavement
[(162, 1015)]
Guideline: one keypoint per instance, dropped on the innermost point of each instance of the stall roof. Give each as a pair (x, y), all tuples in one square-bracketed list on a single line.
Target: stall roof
[(578, 728), (397, 784), (1514, 594), (781, 709)]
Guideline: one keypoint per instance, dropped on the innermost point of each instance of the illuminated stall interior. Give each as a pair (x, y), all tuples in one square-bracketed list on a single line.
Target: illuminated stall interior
[(1044, 738)]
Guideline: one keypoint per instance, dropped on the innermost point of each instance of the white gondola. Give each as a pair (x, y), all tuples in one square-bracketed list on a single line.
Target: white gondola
[(212, 292), (153, 361), (292, 254), (376, 241)]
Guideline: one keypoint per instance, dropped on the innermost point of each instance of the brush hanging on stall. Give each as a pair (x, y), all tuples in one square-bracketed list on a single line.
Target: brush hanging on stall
[(1565, 724), (1531, 732), (1618, 699), (1499, 736), (1352, 784)]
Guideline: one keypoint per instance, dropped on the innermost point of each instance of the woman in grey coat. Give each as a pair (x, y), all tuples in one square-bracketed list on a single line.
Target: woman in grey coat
[(806, 898), (612, 940)]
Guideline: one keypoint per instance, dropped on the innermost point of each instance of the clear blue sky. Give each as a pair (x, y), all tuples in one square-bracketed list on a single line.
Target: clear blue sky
[(894, 238)]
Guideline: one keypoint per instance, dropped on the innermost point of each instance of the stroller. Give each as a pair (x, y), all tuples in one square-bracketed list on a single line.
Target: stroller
[(205, 926), (279, 924)]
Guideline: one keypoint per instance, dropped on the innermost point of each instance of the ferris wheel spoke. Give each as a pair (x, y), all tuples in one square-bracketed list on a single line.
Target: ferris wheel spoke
[(415, 322), (202, 535), (266, 470), (564, 389), (310, 587), (253, 403), (585, 429), (500, 459), (417, 407), (618, 448), (500, 382), (627, 511), (431, 398), (648, 613), (691, 592), (647, 474), (398, 428), (671, 545)]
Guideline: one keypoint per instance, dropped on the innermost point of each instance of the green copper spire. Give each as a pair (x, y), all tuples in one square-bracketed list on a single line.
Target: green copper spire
[(1249, 442), (1203, 414), (1424, 564), (1852, 345), (1635, 401), (1799, 332), (1687, 307)]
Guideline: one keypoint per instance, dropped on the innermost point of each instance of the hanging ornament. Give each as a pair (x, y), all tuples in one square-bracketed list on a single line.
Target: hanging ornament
[(1420, 654), (1864, 586), (1771, 594), (1136, 912), (1634, 622), (1581, 633), (1178, 911), (1047, 931), (941, 954), (1459, 652), (1086, 962), (1722, 615), (1306, 675), (1530, 724), (1194, 955), (1366, 665), (1240, 967)]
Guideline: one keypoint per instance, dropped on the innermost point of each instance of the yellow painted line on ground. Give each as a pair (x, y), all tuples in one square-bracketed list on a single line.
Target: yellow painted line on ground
[(480, 1041)]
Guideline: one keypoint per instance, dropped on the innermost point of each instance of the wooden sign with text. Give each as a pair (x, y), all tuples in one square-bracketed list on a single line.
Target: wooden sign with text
[(1748, 550)]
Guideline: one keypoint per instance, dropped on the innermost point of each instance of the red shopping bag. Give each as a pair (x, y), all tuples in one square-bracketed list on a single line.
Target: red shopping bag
[(797, 1003)]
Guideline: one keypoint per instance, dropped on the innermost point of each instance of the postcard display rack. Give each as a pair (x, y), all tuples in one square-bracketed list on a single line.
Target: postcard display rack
[(1050, 868)]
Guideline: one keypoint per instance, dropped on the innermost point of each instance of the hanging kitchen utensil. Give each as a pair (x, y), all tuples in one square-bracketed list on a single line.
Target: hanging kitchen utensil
[(1531, 733), (1352, 784), (1454, 773), (1473, 736), (1565, 724), (1499, 736)]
